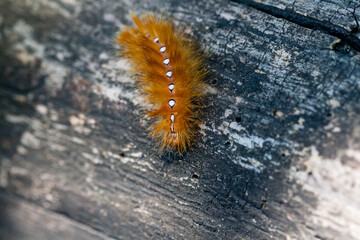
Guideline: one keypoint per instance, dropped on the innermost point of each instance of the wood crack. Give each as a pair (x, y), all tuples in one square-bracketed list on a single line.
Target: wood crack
[(307, 22)]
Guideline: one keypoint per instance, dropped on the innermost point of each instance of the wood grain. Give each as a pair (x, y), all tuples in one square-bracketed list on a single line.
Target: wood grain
[(277, 156)]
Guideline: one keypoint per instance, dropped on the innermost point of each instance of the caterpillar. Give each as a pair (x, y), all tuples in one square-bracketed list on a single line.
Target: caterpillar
[(169, 75)]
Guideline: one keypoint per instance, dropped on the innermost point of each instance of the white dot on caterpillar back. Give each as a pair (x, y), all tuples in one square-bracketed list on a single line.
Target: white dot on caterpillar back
[(156, 39), (169, 73), (171, 86), (172, 127), (166, 61), (171, 102), (172, 117), (162, 49)]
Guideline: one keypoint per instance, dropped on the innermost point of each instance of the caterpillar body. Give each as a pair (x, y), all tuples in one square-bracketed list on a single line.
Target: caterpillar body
[(170, 71)]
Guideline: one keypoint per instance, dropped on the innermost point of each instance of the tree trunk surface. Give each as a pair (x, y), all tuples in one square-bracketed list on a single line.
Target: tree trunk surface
[(277, 155)]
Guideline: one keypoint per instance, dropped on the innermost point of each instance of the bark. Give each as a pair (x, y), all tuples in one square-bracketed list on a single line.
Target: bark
[(277, 156)]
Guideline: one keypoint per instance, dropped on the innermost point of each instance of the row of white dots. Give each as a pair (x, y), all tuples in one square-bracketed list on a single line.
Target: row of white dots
[(171, 85)]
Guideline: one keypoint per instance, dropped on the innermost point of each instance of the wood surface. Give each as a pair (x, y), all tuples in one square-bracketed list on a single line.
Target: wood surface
[(277, 156)]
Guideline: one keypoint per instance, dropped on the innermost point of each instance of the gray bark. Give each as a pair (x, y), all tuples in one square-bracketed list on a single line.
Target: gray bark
[(277, 156)]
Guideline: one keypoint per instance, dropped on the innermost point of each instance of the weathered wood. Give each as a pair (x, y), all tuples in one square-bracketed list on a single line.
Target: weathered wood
[(348, 37), (343, 13), (278, 155), (22, 220)]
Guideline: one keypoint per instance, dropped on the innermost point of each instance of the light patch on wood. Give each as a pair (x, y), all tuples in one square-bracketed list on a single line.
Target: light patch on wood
[(17, 118), (227, 16), (21, 150), (25, 32), (42, 109), (117, 93), (56, 147), (77, 140), (121, 64), (54, 7), (109, 17), (104, 56), (55, 71), (142, 210), (77, 121), (250, 141), (236, 126), (353, 154), (29, 140), (239, 100), (250, 163), (338, 199), (282, 57), (297, 111), (299, 125), (25, 57), (136, 154), (228, 112), (246, 140), (127, 160), (315, 73), (209, 89), (333, 103), (280, 115), (71, 2), (19, 171), (92, 158), (259, 71)]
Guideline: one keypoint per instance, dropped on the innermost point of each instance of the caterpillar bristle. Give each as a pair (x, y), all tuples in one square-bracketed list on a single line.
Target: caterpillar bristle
[(170, 71)]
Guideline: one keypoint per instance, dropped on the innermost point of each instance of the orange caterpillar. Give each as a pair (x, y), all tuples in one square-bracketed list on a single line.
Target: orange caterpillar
[(169, 75)]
